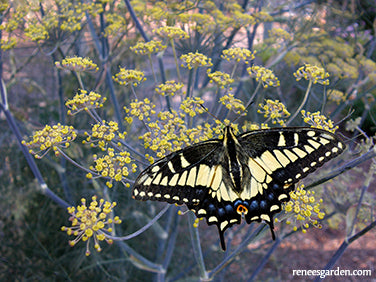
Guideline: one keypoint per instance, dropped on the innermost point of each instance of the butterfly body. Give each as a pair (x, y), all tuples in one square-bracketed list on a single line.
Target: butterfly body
[(249, 175)]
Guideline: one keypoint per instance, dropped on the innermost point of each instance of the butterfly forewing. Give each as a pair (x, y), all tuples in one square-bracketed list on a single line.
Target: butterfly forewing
[(181, 177), (250, 175)]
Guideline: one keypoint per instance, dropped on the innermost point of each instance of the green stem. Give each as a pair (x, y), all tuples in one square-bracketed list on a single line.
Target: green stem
[(233, 70), (80, 80), (152, 68), (302, 104), (197, 247), (176, 59), (253, 95)]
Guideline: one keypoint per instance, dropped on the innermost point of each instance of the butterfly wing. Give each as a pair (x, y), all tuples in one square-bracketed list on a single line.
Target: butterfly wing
[(279, 158), (181, 177)]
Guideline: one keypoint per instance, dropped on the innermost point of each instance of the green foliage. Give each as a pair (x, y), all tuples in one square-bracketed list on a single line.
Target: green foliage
[(111, 86)]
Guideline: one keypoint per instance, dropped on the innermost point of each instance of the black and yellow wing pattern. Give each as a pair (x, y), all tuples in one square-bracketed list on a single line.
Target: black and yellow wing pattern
[(248, 175)]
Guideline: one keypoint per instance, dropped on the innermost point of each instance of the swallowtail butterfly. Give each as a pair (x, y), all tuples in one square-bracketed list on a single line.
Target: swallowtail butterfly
[(248, 175)]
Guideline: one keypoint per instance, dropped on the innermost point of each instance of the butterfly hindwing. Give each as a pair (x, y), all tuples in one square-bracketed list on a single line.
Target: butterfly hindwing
[(247, 175)]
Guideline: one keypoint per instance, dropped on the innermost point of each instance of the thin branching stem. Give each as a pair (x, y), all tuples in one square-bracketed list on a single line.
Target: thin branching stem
[(196, 246), (301, 104), (141, 230)]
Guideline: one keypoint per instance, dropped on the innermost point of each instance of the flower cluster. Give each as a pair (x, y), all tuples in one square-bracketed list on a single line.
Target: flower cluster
[(166, 133), (91, 222), (264, 76), (336, 96), (312, 73), (146, 48), (319, 121), (233, 104), (305, 208), (114, 165), (169, 132), (195, 60), (102, 133), (238, 55), (126, 77), (55, 137), (84, 101), (192, 106), (116, 24), (140, 109), (200, 22), (169, 88), (280, 34), (77, 64), (171, 32), (275, 110), (222, 79), (36, 31)]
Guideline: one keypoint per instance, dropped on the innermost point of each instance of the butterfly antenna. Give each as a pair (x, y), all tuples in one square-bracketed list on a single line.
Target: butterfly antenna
[(207, 110), (245, 110)]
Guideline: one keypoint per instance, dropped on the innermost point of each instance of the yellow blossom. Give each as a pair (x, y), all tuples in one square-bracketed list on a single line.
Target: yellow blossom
[(274, 110), (113, 165), (336, 96), (232, 103), (77, 64), (192, 106), (305, 208), (195, 60), (171, 32), (169, 88), (146, 48), (93, 222), (51, 137), (280, 34), (263, 75), (222, 79), (238, 54), (312, 73), (133, 77), (102, 133), (84, 101), (318, 121), (140, 109)]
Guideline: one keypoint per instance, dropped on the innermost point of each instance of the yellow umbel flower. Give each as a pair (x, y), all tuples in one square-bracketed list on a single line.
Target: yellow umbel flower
[(318, 121), (114, 165), (263, 75), (104, 132), (232, 104), (133, 77), (305, 208), (51, 137), (77, 64), (192, 106), (169, 88), (222, 79), (274, 110), (312, 73), (195, 60), (94, 222), (238, 54), (143, 110), (280, 34), (336, 96), (171, 32), (146, 48), (84, 101)]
